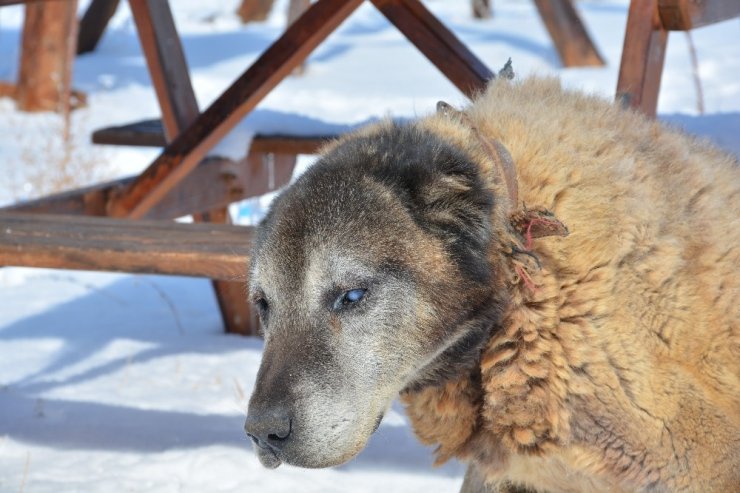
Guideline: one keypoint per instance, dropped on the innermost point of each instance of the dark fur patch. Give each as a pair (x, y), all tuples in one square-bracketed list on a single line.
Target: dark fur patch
[(443, 192), (438, 184)]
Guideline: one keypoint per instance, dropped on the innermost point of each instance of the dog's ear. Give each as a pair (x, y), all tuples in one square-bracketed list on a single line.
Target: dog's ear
[(451, 201)]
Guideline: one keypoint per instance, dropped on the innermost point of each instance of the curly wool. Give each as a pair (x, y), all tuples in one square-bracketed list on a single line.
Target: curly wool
[(616, 365)]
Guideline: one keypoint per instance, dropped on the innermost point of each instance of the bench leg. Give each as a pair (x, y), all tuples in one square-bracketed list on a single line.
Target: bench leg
[(236, 311), (438, 44), (48, 49), (93, 24), (643, 57), (568, 33), (186, 151)]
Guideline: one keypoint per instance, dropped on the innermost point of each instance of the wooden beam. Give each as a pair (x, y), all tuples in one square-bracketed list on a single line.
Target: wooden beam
[(296, 8), (4, 3), (169, 71), (682, 15), (154, 247), (236, 310), (254, 10), (228, 182), (149, 133), (568, 33), (437, 43), (481, 9), (93, 24), (167, 64), (643, 57), (184, 153), (47, 55)]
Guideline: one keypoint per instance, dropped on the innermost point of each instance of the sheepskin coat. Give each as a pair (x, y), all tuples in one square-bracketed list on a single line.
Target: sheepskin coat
[(617, 364)]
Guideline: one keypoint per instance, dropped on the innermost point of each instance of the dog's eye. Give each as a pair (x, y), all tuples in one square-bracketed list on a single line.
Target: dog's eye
[(349, 298), (262, 306)]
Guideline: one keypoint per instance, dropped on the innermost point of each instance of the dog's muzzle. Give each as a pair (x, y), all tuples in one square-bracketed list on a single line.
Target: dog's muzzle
[(269, 433)]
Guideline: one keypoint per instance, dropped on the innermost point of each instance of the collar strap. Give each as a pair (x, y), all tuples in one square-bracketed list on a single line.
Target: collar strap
[(494, 149)]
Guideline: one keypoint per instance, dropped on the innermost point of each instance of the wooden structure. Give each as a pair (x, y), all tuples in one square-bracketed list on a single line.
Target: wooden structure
[(45, 74), (183, 180), (572, 42), (94, 243), (645, 39), (93, 24)]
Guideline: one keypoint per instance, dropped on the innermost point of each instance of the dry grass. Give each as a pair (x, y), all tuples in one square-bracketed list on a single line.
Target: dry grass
[(53, 156), (25, 472)]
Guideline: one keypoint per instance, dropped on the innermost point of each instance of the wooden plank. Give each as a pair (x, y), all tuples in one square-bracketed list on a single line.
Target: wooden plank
[(236, 311), (481, 9), (93, 24), (47, 54), (91, 243), (682, 15), (227, 181), (3, 3), (146, 133), (149, 133), (167, 65), (296, 8), (643, 57), (437, 43), (184, 153), (169, 71), (567, 31), (254, 10)]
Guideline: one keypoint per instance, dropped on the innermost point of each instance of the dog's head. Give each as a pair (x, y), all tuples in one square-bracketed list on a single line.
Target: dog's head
[(371, 275)]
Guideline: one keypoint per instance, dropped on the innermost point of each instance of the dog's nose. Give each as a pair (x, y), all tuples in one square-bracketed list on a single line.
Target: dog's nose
[(269, 429)]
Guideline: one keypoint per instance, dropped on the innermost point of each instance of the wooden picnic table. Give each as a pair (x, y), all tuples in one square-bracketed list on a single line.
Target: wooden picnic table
[(184, 180)]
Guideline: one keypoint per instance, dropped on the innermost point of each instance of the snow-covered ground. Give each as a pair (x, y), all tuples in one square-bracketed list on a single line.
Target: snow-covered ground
[(114, 382)]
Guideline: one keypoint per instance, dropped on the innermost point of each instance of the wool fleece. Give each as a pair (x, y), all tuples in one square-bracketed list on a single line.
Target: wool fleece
[(617, 364)]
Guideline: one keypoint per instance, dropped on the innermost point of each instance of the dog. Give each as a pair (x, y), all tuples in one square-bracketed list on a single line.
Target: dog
[(548, 280)]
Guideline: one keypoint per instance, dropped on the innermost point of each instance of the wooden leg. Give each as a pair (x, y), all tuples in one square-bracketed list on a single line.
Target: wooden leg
[(93, 24), (437, 43), (296, 8), (254, 10), (185, 152), (48, 49), (643, 57), (568, 33), (227, 182), (236, 311), (482, 9), (167, 65)]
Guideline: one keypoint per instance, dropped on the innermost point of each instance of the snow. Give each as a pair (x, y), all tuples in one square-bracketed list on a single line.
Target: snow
[(113, 382)]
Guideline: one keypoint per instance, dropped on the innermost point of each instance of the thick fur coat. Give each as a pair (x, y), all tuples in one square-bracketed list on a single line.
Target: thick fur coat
[(607, 360), (616, 366)]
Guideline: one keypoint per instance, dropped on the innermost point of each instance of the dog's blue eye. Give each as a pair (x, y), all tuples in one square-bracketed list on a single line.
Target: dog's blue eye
[(349, 297)]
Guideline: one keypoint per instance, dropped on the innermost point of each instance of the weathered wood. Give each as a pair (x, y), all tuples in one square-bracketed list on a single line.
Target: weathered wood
[(481, 9), (567, 31), (437, 43), (93, 24), (228, 182), (184, 153), (167, 65), (7, 90), (236, 311), (296, 8), (683, 15), (643, 57), (47, 54), (169, 71), (3, 3), (155, 247), (254, 10), (149, 133)]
